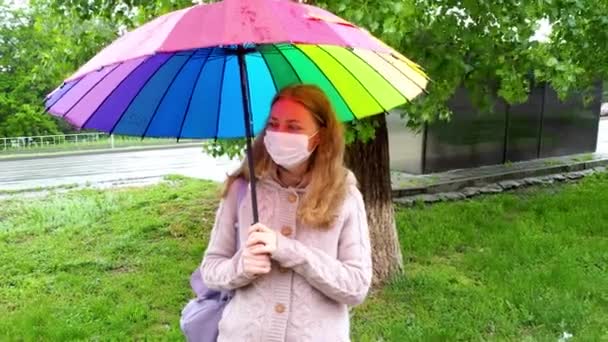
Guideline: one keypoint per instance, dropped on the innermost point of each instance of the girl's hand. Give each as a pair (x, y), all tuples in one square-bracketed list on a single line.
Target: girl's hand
[(262, 240), (255, 265)]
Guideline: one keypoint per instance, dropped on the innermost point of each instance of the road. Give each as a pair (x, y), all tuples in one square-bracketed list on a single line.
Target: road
[(111, 169)]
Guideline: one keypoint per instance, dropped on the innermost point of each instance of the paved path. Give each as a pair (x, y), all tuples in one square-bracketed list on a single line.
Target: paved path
[(142, 167)]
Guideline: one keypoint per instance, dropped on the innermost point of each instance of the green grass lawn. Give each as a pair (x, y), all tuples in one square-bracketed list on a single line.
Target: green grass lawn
[(114, 265)]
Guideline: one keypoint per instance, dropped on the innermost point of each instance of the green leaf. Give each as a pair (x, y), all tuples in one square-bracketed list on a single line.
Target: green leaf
[(551, 62)]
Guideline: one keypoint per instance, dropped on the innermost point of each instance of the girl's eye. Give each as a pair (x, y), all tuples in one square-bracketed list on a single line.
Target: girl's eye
[(294, 128), (274, 124)]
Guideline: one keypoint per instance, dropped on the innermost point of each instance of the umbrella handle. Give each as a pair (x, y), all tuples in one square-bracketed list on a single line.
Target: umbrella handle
[(248, 131)]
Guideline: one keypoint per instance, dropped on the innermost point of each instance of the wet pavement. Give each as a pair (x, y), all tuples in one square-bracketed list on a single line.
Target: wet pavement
[(130, 168)]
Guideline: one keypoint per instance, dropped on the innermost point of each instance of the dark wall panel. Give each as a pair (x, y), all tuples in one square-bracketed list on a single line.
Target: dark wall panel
[(570, 126), (524, 127), (542, 127), (470, 139)]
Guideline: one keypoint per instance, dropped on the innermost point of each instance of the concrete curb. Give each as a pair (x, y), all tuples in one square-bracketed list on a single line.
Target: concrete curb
[(99, 151), (497, 188), (503, 176)]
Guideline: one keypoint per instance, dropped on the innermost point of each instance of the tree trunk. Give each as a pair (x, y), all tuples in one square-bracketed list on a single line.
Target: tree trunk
[(370, 163)]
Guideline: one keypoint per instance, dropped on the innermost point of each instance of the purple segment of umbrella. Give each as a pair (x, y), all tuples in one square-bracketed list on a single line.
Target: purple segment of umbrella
[(72, 97), (92, 100), (59, 93), (144, 106), (108, 114)]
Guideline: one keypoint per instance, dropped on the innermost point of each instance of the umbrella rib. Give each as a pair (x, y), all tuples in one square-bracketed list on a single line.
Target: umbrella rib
[(134, 97), (62, 95), (219, 100), (402, 73), (165, 94), (91, 89), (111, 93), (327, 78), (355, 77), (198, 76)]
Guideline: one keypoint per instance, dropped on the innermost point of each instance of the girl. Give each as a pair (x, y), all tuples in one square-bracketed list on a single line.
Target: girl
[(297, 271)]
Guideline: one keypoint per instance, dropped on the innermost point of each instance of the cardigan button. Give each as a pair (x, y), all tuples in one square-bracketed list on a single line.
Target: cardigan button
[(279, 308), (283, 269), (286, 231), (292, 198)]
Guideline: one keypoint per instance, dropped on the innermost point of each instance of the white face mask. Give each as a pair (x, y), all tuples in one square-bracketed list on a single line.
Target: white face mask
[(287, 149)]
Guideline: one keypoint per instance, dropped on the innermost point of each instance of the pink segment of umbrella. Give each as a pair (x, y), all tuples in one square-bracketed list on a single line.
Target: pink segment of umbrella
[(235, 22)]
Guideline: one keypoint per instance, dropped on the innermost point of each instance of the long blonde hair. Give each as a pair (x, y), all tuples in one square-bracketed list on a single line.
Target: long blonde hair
[(328, 175)]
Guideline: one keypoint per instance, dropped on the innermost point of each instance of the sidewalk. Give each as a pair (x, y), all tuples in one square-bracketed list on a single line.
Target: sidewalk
[(409, 185)]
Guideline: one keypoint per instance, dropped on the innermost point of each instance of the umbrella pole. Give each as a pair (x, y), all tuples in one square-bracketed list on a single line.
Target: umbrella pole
[(248, 131)]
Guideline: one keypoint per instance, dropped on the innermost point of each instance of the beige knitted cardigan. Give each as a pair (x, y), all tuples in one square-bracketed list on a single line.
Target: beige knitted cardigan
[(316, 274)]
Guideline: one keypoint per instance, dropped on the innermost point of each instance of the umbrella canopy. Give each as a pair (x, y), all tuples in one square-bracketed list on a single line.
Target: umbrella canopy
[(181, 74)]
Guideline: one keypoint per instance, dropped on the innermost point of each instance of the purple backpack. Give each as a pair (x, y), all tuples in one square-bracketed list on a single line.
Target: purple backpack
[(201, 316)]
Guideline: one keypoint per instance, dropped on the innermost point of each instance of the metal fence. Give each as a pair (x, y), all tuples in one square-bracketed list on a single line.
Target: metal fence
[(21, 143)]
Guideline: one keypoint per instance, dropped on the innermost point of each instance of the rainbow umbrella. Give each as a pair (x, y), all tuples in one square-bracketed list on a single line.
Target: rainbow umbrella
[(211, 71)]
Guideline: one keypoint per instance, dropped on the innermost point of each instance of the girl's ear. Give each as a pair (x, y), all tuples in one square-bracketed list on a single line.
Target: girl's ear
[(315, 141)]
